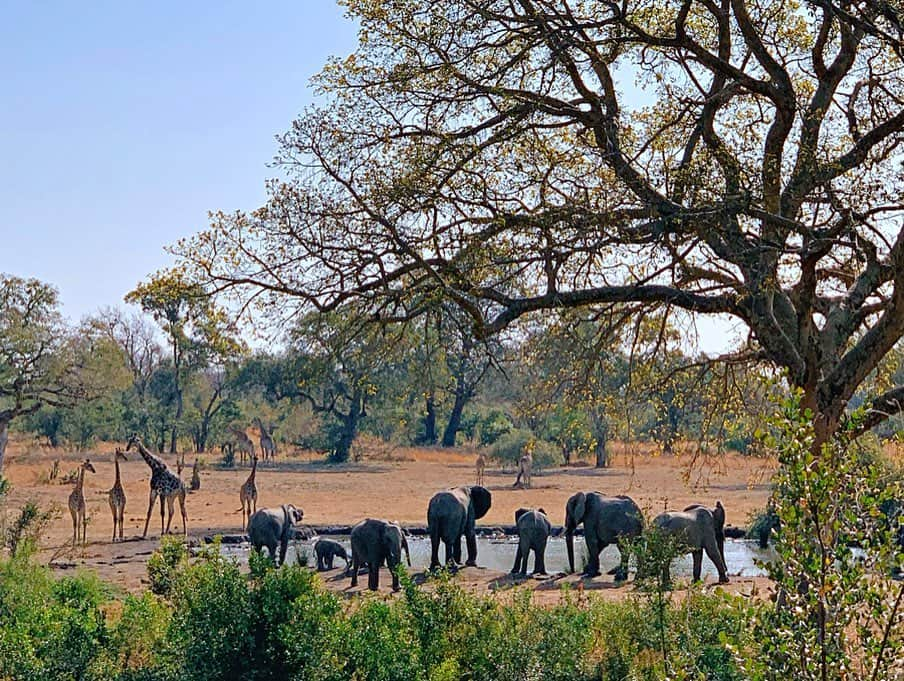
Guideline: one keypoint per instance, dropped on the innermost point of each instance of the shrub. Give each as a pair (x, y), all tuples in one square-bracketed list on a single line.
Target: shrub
[(212, 617), (509, 448), (28, 526), (165, 562), (493, 426)]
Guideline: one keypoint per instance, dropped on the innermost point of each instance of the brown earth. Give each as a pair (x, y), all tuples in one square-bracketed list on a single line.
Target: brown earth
[(394, 484)]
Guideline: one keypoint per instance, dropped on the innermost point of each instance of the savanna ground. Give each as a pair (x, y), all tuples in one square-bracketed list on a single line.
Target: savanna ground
[(390, 483)]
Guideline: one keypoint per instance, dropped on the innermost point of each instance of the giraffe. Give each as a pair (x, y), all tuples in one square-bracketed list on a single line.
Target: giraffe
[(117, 495), (248, 495), (243, 443), (268, 447), (77, 506), (165, 484), (195, 484), (481, 465)]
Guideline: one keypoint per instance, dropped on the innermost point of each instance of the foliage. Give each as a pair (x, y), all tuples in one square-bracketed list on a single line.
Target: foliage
[(838, 613), (28, 527), (164, 564), (509, 448)]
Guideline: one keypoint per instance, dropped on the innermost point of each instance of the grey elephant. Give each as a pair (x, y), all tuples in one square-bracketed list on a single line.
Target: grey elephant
[(533, 532), (718, 523), (327, 550), (606, 520), (274, 526), (373, 542), (695, 529), (451, 514)]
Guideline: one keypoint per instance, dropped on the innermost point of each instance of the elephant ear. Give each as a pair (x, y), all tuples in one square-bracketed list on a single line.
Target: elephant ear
[(576, 508), (520, 512), (719, 517), (481, 499)]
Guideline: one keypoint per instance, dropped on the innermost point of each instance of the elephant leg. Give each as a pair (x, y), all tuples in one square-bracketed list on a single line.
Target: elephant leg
[(593, 555), (283, 545), (516, 568), (150, 510), (698, 563), (621, 574), (471, 541), (329, 562), (540, 558), (373, 574), (453, 551), (434, 548), (712, 550), (393, 569), (355, 567), (271, 548)]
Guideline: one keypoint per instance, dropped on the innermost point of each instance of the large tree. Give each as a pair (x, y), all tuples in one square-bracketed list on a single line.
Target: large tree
[(721, 157), (42, 361)]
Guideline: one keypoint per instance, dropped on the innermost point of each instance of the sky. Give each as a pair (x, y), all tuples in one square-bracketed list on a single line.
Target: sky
[(123, 123)]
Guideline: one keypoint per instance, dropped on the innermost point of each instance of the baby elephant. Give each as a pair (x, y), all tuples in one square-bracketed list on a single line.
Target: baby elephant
[(273, 526), (696, 529), (533, 531), (327, 550)]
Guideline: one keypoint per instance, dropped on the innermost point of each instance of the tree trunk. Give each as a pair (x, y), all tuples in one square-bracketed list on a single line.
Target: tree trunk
[(4, 438), (429, 437), (454, 423), (602, 442), (349, 431)]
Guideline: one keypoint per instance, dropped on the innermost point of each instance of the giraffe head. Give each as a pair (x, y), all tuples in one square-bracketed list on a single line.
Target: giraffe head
[(120, 455), (86, 464), (134, 441)]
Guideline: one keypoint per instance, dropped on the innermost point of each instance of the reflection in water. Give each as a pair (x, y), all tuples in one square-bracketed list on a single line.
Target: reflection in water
[(499, 555)]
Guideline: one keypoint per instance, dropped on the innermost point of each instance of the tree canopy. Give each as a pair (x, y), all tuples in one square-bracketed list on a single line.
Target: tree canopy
[(727, 157)]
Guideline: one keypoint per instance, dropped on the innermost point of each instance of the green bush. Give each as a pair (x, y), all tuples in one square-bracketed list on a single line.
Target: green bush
[(165, 562), (509, 448), (494, 425)]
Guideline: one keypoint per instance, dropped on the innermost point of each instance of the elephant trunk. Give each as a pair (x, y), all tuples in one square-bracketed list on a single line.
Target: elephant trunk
[(569, 543), (407, 555)]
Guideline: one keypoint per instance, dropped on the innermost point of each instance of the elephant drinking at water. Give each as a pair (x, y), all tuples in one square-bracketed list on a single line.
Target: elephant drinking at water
[(606, 520), (273, 526), (696, 529), (451, 514)]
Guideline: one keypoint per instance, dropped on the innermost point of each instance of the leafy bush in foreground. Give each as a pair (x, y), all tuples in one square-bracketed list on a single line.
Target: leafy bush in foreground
[(218, 623)]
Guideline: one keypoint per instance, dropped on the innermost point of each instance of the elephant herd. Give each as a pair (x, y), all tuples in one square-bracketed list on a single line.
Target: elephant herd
[(452, 515)]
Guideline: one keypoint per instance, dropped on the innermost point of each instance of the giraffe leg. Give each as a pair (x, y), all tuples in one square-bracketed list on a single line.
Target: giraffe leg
[(182, 509), (84, 526), (169, 505), (162, 513), (150, 510), (113, 511), (74, 515), (122, 517)]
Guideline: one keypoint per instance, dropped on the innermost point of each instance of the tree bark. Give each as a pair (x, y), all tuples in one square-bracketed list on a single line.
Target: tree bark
[(349, 431), (601, 434), (4, 439), (454, 423), (430, 421)]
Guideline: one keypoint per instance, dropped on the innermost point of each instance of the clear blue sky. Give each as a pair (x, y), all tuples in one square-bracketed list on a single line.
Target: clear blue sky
[(123, 123)]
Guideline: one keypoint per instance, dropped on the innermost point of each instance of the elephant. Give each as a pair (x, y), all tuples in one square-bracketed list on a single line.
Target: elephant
[(271, 526), (718, 523), (696, 529), (533, 532), (451, 514), (375, 541), (606, 520), (326, 551)]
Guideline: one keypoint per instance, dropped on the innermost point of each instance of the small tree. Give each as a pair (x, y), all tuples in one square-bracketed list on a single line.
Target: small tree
[(838, 613)]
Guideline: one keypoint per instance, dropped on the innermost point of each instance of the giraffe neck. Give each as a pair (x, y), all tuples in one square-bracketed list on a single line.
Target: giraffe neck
[(155, 463), (253, 471), (80, 481), (116, 483)]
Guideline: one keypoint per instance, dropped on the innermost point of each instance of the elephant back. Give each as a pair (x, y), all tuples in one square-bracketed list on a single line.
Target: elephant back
[(448, 506)]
